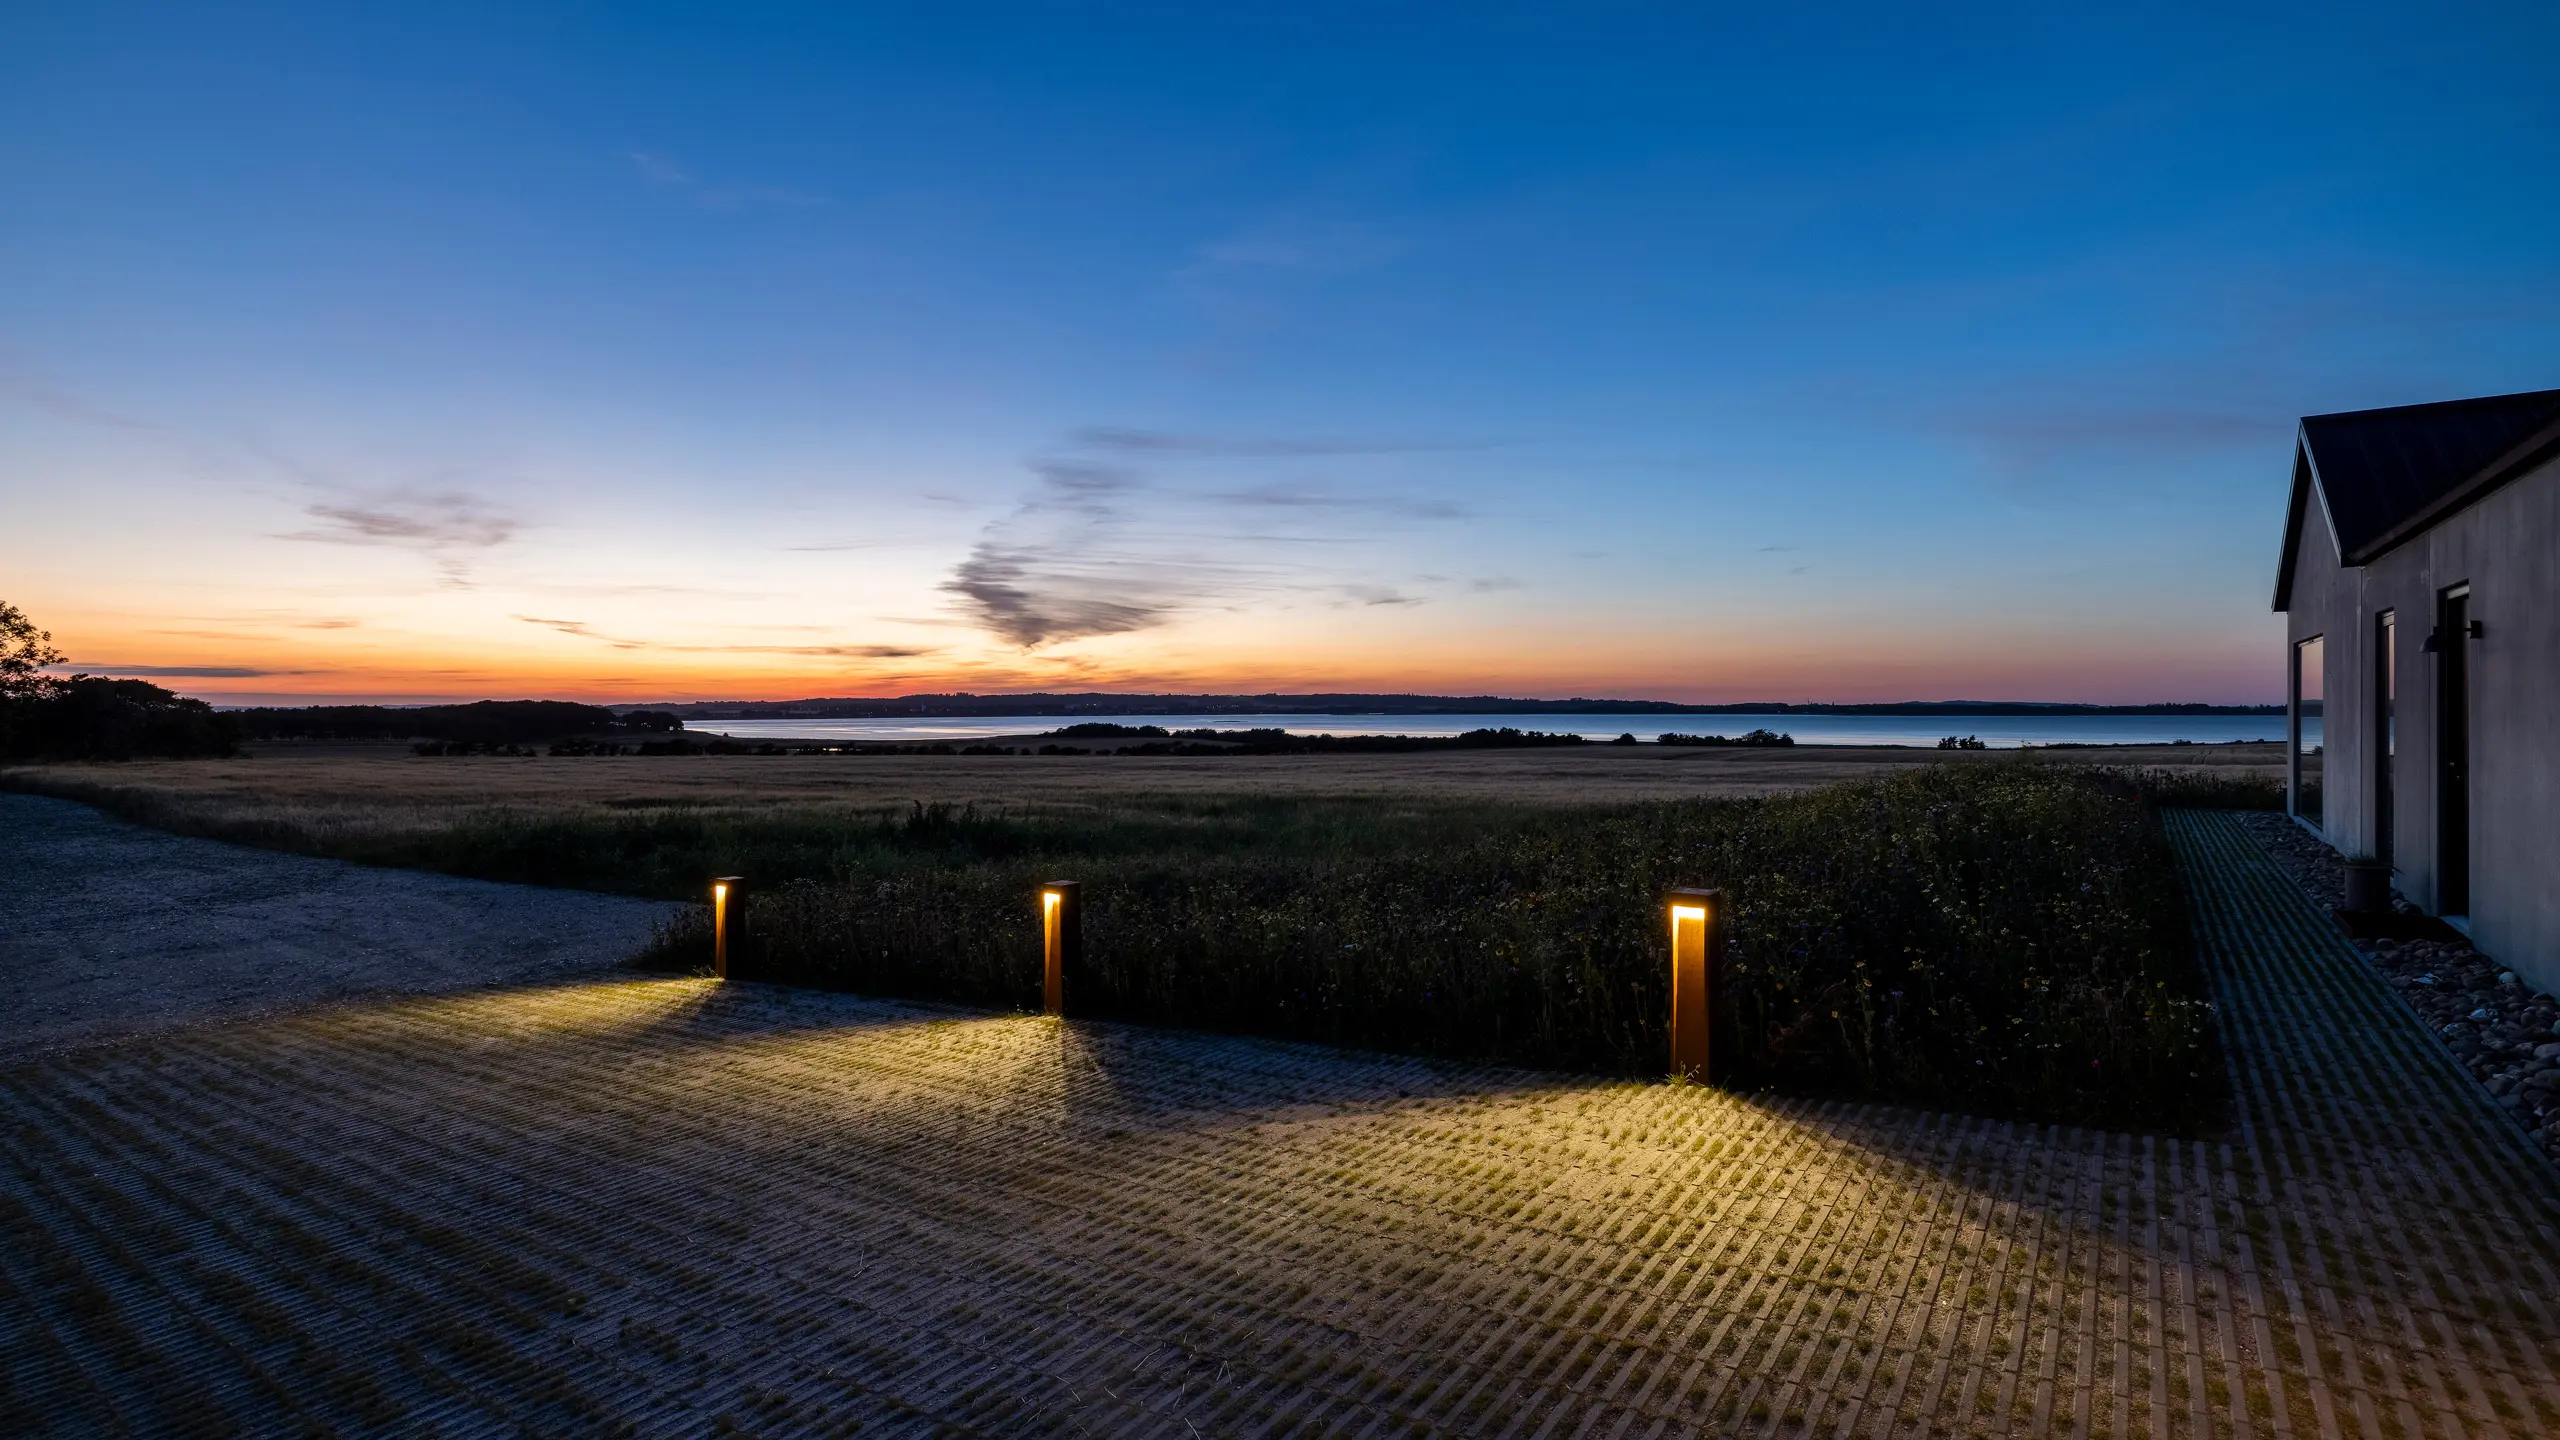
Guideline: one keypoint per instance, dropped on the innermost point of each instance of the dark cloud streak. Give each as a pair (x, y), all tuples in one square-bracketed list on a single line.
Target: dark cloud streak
[(1123, 531)]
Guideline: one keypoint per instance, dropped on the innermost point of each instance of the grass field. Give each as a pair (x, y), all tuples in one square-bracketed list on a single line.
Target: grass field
[(686, 817), (388, 786)]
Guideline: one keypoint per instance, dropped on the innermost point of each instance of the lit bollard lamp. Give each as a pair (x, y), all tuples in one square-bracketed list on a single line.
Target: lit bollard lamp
[(1061, 942), (728, 913), (1697, 948)]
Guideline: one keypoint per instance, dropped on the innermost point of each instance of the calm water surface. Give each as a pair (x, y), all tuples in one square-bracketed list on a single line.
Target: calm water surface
[(2001, 731)]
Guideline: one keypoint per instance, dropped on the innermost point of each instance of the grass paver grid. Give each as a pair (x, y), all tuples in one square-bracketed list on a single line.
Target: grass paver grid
[(656, 1207)]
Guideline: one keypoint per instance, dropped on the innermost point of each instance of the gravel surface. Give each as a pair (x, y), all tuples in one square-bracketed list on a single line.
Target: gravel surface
[(2506, 1033), (115, 929)]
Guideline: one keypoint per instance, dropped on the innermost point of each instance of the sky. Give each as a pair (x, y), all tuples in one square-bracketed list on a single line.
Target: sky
[(638, 352)]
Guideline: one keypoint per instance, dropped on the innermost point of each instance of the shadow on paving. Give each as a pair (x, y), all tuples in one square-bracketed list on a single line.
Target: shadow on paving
[(668, 1207)]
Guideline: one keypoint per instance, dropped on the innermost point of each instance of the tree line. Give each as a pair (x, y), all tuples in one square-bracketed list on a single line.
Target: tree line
[(93, 717)]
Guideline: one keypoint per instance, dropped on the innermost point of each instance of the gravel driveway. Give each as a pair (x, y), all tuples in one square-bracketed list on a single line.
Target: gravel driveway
[(112, 928)]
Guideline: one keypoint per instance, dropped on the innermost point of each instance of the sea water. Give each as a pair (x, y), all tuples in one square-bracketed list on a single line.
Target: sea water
[(1997, 731)]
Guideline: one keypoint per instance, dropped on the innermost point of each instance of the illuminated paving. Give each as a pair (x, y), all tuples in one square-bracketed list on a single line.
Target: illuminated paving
[(663, 1207)]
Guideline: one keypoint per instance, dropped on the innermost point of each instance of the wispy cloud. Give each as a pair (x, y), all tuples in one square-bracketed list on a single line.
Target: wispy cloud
[(1298, 245), (201, 672), (1127, 529), (2045, 453), (1030, 597), (1304, 495), (1256, 275), (1131, 440), (424, 521), (585, 631), (666, 173), (19, 383), (444, 524)]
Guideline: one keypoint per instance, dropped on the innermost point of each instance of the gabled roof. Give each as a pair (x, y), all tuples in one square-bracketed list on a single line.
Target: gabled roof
[(2382, 477)]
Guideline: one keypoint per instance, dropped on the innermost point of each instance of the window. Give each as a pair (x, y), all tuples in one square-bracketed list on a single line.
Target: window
[(2310, 689)]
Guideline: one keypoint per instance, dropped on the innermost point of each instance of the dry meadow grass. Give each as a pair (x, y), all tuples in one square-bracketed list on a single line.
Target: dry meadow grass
[(388, 786)]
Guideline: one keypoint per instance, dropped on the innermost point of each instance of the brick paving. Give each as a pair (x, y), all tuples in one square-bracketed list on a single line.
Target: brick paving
[(661, 1208)]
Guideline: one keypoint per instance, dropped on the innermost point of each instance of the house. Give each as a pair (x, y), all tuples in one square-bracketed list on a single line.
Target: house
[(2420, 585)]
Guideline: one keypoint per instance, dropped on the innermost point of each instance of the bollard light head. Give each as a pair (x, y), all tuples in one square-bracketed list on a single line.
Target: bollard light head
[(1061, 942), (1694, 941), (726, 893)]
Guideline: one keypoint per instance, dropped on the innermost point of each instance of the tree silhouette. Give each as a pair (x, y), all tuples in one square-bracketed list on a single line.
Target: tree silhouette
[(90, 717), (24, 652)]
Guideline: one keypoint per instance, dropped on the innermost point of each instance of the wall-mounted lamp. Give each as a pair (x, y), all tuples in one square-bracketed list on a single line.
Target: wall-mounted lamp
[(1697, 945), (1061, 941), (2435, 637), (728, 895)]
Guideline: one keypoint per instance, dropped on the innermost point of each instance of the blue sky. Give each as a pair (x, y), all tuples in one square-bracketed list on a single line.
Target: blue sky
[(684, 352)]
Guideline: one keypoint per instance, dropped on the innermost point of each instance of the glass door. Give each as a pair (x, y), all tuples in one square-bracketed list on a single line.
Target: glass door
[(2310, 681)]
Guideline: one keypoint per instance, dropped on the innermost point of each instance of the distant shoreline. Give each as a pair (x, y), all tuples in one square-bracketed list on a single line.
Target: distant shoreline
[(1044, 705)]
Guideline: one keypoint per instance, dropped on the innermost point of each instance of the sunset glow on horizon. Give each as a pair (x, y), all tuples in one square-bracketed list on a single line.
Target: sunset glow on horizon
[(667, 355)]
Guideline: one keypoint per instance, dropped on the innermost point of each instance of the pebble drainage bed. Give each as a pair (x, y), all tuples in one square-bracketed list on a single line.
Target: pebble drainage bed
[(2503, 1031)]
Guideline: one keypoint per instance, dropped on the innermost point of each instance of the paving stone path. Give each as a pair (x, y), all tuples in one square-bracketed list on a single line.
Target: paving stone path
[(664, 1208)]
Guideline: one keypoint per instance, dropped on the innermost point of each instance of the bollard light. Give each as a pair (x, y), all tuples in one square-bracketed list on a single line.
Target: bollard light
[(1697, 943), (1061, 942), (728, 894)]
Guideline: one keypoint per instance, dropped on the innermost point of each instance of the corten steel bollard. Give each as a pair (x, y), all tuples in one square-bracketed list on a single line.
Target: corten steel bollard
[(1697, 947), (728, 900), (1061, 942)]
